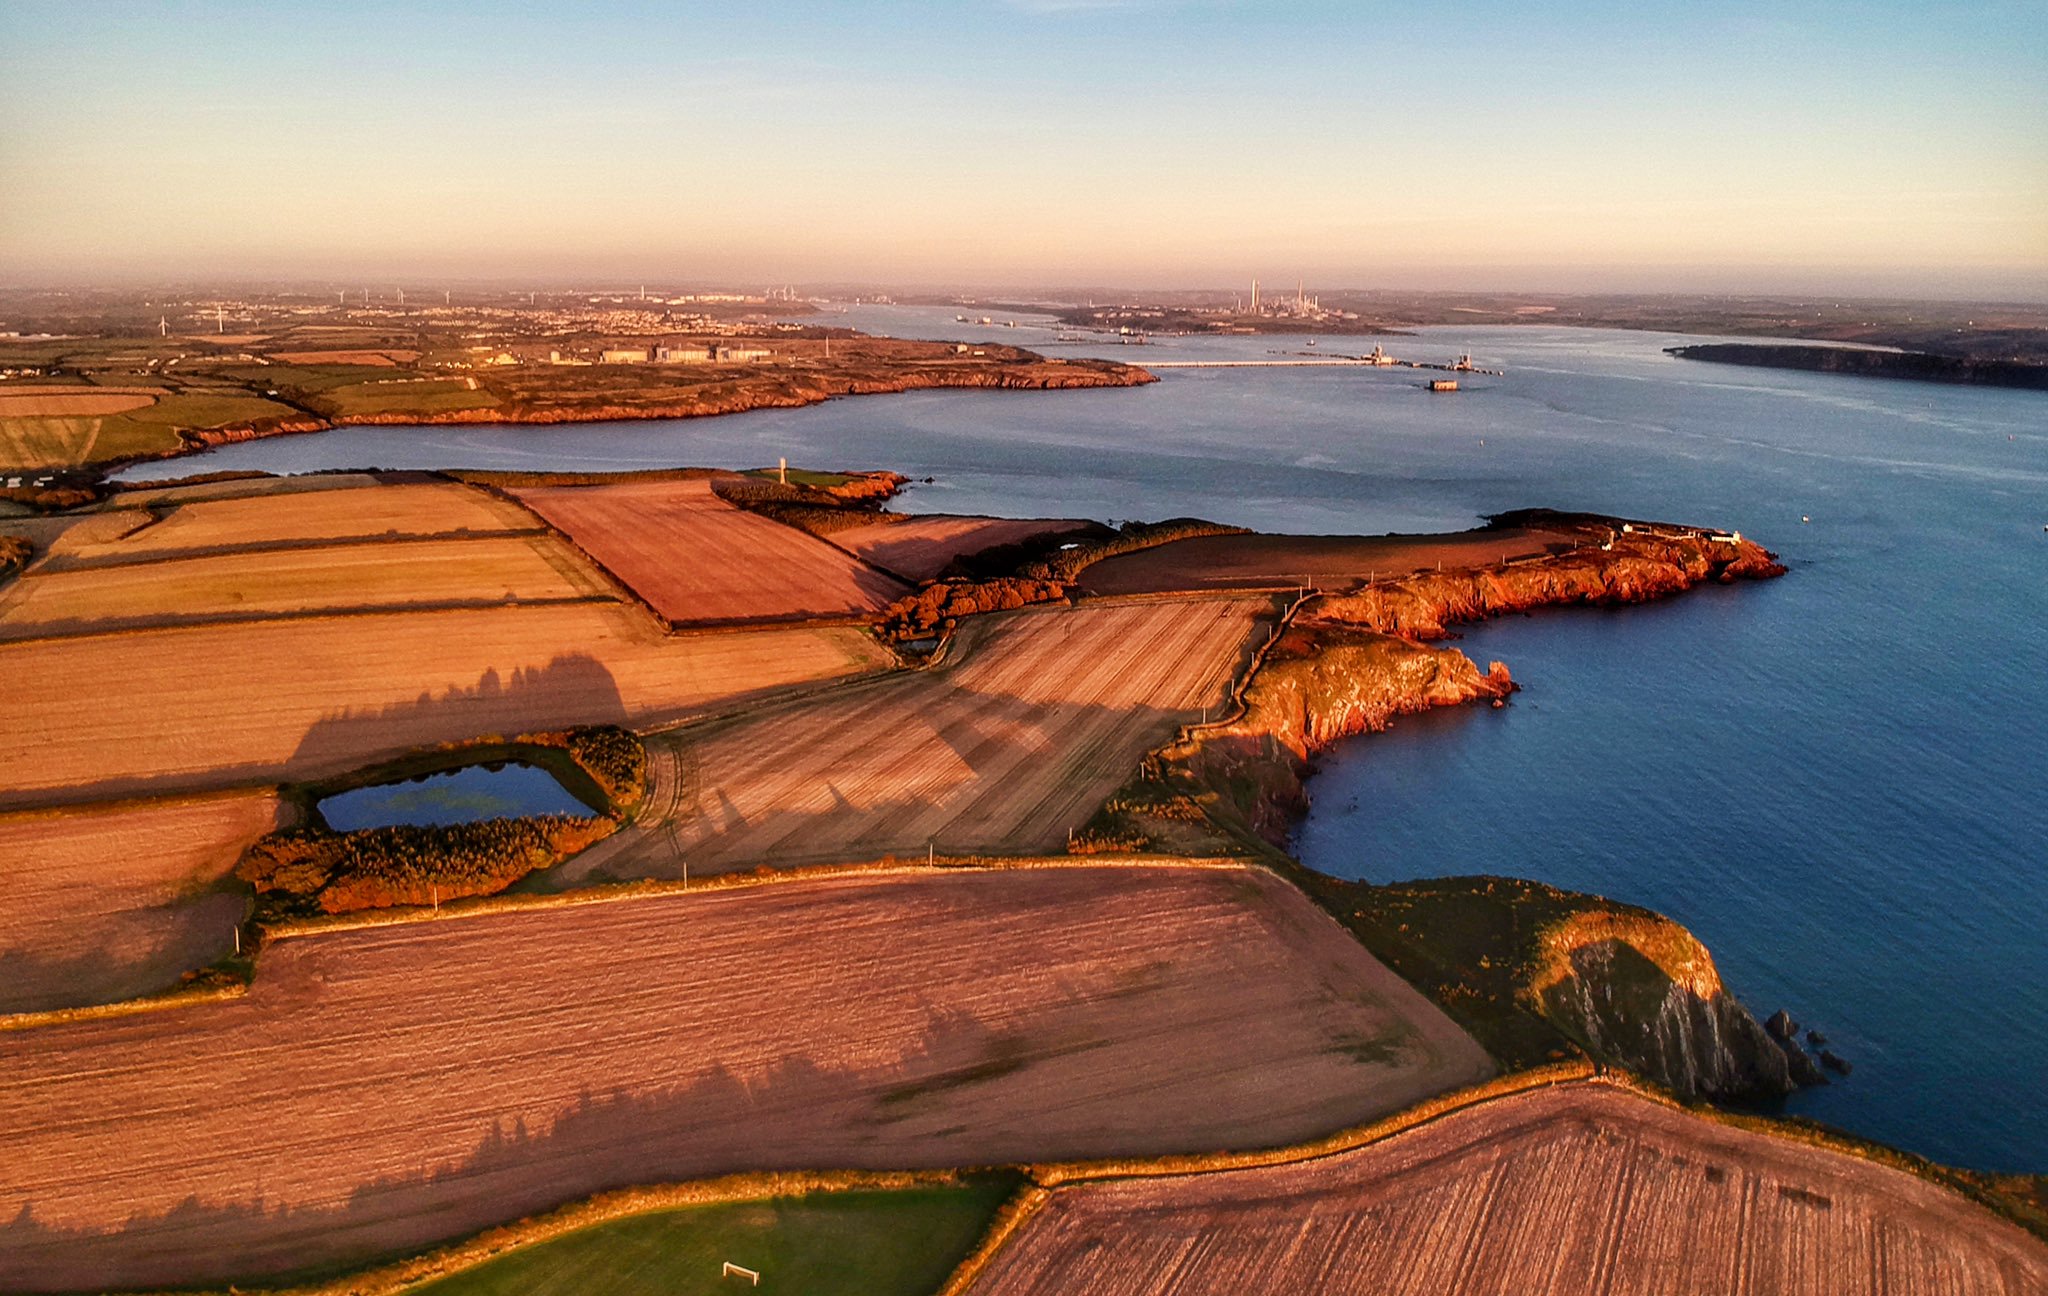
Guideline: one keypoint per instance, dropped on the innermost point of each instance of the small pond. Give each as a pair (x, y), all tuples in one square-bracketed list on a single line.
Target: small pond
[(501, 790)]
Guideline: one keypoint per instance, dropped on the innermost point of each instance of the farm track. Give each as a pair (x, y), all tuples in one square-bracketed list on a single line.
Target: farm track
[(697, 560), (383, 1088), (1037, 717), (1566, 1190)]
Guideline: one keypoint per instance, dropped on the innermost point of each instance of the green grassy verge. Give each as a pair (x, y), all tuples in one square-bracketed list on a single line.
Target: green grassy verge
[(870, 1243)]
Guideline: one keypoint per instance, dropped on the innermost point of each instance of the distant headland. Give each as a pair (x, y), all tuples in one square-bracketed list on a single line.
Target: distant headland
[(1919, 366)]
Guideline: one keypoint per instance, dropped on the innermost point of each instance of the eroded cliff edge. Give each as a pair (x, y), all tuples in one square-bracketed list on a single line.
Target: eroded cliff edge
[(1536, 973)]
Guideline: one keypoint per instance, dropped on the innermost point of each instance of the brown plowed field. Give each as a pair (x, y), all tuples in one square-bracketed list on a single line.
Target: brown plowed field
[(97, 717), (280, 582), (1279, 561), (1580, 1189), (698, 560), (409, 510), (922, 547), (103, 903), (380, 1089), (1042, 715)]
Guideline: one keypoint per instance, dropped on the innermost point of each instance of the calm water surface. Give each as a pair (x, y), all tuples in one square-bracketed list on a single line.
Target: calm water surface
[(1839, 780), (467, 795)]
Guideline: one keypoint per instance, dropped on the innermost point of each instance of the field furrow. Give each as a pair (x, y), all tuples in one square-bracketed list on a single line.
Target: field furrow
[(380, 1089), (102, 903), (698, 560), (1575, 1189), (1040, 716)]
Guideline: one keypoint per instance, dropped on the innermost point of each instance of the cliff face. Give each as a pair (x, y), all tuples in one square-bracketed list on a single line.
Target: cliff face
[(1637, 569), (1629, 987), (1639, 991)]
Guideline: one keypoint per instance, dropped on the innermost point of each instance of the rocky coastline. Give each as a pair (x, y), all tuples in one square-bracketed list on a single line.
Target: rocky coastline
[(1549, 972)]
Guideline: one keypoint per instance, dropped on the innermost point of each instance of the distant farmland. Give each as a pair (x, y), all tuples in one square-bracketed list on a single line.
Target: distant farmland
[(380, 1089), (1583, 1189), (1044, 714), (698, 560)]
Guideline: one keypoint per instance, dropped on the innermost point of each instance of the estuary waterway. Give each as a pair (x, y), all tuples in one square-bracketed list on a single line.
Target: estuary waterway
[(1839, 780)]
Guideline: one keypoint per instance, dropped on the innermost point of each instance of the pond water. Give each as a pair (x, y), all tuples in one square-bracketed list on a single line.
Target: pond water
[(468, 795)]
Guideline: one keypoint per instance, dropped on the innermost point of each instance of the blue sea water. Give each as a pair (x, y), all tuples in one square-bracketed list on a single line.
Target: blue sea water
[(1838, 780)]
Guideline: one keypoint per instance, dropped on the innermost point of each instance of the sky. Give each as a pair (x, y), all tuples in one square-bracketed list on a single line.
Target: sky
[(1878, 147)]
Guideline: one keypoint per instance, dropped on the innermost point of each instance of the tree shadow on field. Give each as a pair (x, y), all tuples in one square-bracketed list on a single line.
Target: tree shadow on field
[(791, 1113), (572, 689), (1006, 776)]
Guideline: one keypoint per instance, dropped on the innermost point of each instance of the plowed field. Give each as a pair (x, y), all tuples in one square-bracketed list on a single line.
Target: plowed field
[(922, 547), (1328, 562), (1043, 714), (1584, 1189), (698, 560), (103, 903), (94, 717), (383, 1088)]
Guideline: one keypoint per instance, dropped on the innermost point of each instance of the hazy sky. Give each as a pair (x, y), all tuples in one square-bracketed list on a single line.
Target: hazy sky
[(1873, 146)]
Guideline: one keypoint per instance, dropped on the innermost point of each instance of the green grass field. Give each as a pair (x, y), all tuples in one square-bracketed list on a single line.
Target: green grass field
[(386, 397), (804, 476), (871, 1243)]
